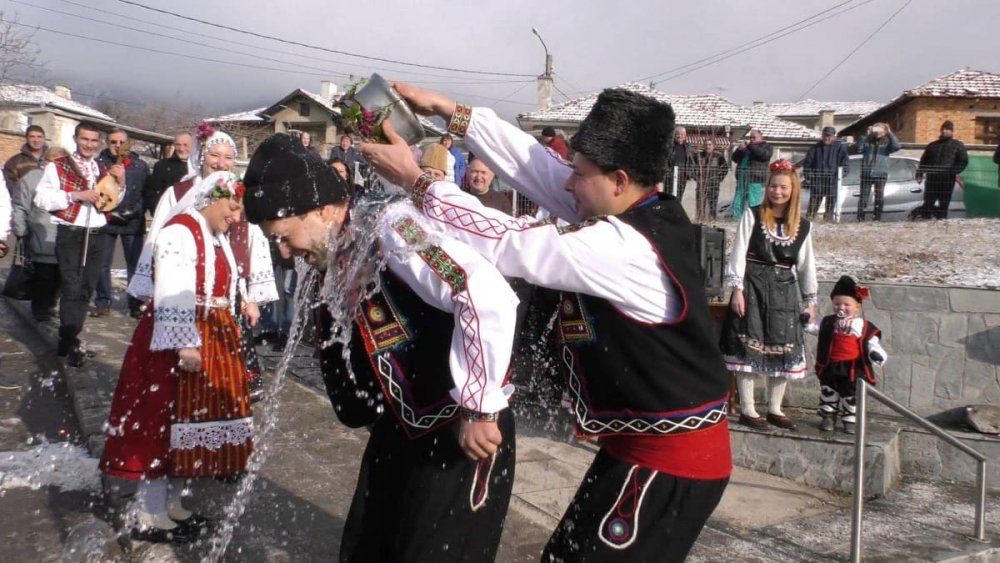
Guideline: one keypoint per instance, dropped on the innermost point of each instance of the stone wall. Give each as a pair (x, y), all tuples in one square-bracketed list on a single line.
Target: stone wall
[(943, 345)]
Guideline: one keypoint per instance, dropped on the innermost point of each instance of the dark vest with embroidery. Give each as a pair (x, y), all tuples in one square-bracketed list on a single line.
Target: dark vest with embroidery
[(862, 365), (400, 349), (764, 248), (629, 377)]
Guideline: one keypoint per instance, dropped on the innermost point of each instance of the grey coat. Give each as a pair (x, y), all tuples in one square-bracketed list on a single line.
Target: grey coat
[(32, 221)]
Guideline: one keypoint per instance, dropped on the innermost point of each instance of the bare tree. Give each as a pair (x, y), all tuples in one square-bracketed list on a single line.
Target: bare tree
[(18, 51), (247, 134)]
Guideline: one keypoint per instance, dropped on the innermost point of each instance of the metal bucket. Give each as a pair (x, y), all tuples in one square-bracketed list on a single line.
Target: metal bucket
[(377, 94)]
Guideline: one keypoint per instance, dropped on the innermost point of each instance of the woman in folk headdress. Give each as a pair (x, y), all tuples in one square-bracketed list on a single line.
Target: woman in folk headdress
[(773, 275), (254, 270), (181, 408)]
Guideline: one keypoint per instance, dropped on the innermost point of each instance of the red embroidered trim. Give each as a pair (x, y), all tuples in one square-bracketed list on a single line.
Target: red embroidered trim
[(420, 187), (460, 120)]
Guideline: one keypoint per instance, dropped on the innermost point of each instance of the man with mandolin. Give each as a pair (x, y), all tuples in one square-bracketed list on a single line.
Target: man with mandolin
[(71, 190), (125, 221)]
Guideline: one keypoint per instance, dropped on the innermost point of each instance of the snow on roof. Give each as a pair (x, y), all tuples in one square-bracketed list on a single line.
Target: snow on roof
[(699, 111), (809, 107), (36, 95), (252, 115), (965, 83)]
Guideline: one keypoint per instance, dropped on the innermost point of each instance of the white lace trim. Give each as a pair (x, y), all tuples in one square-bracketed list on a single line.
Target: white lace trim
[(211, 435), (173, 337)]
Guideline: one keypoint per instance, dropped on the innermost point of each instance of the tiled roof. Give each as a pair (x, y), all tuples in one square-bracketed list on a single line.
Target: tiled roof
[(34, 95), (700, 111), (813, 107), (252, 115), (966, 83)]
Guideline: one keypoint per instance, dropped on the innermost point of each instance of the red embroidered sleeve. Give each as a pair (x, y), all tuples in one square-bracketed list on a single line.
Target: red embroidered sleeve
[(459, 123)]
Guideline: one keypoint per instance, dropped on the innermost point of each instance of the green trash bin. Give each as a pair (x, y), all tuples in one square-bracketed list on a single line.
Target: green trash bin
[(979, 185)]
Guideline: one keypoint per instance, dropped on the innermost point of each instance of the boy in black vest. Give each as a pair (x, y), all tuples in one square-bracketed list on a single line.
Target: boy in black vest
[(848, 346), (429, 356), (636, 343)]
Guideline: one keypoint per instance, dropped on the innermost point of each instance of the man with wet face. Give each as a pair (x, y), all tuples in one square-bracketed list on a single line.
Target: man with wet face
[(429, 358), (641, 360)]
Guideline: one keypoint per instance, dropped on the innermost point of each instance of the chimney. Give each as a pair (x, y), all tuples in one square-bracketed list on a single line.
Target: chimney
[(327, 89), (757, 105), (826, 118), (63, 92), (545, 85)]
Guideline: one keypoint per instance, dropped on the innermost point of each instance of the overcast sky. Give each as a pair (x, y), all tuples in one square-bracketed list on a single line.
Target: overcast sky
[(595, 44)]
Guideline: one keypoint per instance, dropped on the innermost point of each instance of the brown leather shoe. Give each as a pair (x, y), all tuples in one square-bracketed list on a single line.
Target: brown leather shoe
[(781, 421), (755, 422), (101, 312)]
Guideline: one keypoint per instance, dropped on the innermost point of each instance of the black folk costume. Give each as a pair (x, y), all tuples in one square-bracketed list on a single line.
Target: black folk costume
[(636, 343), (777, 274), (432, 344), (847, 348)]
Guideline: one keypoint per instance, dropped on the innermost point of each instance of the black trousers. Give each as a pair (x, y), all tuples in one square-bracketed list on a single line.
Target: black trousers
[(937, 196), (423, 500), (77, 286), (626, 513), (822, 187), (132, 247), (867, 183), (44, 288)]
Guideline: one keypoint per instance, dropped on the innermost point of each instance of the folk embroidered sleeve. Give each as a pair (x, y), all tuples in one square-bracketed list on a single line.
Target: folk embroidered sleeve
[(174, 316), (737, 265), (604, 257), (531, 168), (49, 194), (452, 277), (806, 272), (260, 284)]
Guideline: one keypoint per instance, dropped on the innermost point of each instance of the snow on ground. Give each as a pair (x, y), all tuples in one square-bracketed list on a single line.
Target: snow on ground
[(61, 465), (955, 252)]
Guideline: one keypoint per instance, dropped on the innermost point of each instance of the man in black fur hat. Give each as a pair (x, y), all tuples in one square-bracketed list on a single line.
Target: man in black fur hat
[(429, 348), (642, 363)]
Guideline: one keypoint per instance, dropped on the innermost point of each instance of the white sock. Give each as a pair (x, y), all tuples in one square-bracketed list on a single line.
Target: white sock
[(745, 383), (175, 508), (153, 504), (775, 393)]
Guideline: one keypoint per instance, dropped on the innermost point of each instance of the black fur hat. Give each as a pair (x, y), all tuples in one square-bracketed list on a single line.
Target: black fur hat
[(848, 285), (285, 179), (627, 131)]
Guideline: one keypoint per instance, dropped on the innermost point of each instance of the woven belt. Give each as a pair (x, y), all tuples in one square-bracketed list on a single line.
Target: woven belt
[(214, 302)]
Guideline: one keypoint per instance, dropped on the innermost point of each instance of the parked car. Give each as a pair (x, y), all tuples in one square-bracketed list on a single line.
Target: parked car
[(903, 195)]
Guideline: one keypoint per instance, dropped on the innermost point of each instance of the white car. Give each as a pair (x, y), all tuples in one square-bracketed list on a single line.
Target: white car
[(903, 195)]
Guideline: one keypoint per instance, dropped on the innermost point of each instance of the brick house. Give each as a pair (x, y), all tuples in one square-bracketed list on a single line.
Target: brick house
[(969, 98), (298, 112), (58, 114)]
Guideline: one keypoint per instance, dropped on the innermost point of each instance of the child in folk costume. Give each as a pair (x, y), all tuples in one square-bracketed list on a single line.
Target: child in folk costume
[(848, 346), (181, 408), (773, 275)]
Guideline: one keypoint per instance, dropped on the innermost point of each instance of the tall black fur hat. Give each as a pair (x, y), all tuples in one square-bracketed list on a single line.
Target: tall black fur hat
[(627, 131), (848, 285), (285, 179)]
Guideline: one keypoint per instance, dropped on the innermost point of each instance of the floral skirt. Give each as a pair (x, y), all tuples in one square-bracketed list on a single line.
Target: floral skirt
[(165, 421), (768, 338)]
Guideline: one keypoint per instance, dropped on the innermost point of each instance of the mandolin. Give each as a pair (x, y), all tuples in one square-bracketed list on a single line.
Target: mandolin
[(109, 188)]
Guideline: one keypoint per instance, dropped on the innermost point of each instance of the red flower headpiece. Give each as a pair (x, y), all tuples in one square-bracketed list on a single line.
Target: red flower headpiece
[(862, 292), (779, 165), (204, 132)]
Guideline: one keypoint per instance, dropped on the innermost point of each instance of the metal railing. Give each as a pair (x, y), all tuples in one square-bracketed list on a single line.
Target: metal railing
[(861, 400)]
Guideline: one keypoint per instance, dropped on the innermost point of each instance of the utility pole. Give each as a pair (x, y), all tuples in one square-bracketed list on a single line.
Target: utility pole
[(545, 80)]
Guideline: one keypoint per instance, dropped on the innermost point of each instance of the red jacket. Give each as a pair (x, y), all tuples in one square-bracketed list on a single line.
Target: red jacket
[(560, 147)]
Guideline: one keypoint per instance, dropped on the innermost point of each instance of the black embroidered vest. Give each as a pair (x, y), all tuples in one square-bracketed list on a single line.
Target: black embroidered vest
[(764, 247), (400, 348), (630, 377), (824, 344)]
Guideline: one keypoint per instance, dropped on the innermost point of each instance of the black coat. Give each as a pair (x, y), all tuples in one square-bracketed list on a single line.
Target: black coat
[(943, 159), (166, 173), (681, 155), (758, 170), (127, 218), (710, 169), (820, 165)]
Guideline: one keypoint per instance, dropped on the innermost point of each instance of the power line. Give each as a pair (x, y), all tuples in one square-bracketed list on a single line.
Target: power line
[(335, 51), (772, 37), (856, 49), (266, 49), (511, 95)]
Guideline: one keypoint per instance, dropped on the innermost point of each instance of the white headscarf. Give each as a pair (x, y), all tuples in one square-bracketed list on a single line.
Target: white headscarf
[(141, 285)]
